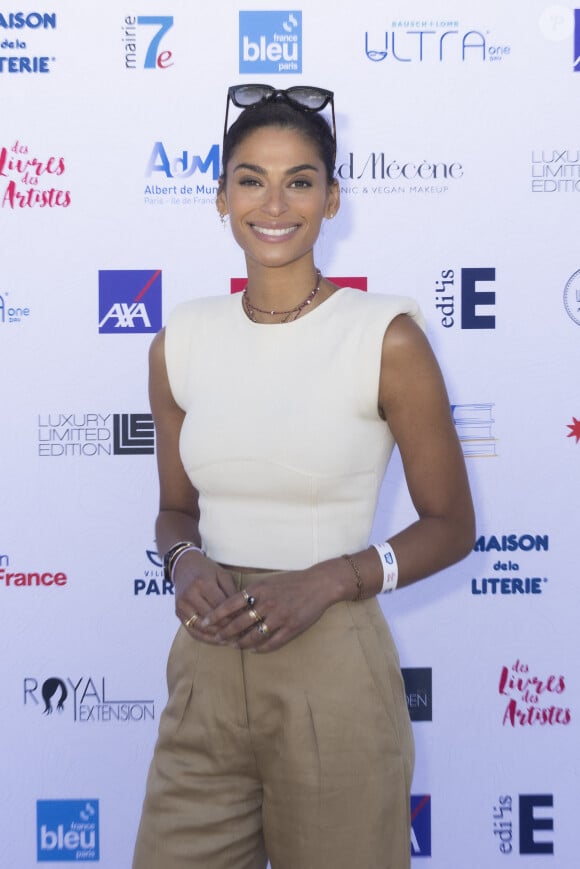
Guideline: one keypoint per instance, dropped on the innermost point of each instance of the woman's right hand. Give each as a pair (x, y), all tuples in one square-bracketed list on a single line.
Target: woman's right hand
[(200, 585)]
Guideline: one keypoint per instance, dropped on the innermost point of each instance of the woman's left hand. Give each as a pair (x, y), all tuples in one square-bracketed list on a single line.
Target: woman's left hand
[(271, 612)]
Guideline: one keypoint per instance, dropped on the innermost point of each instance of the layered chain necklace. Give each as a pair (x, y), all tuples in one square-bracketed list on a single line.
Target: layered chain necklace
[(287, 316)]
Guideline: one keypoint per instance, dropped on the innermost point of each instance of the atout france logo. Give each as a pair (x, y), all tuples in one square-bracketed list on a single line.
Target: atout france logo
[(270, 42), (67, 831), (129, 301)]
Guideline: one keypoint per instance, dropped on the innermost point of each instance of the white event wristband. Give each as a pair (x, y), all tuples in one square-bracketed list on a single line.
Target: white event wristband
[(390, 567)]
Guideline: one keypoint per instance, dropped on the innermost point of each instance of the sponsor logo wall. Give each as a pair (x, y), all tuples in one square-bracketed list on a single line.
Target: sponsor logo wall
[(458, 162)]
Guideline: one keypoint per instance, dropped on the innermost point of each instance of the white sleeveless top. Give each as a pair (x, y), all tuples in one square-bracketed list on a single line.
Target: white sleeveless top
[(282, 436)]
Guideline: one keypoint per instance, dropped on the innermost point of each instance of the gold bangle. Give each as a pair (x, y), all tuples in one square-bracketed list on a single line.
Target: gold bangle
[(359, 582)]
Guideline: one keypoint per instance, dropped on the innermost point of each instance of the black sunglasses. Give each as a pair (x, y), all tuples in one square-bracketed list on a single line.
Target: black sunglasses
[(309, 99)]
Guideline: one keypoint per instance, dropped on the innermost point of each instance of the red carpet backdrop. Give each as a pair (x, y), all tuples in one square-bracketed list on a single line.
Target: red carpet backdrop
[(459, 167)]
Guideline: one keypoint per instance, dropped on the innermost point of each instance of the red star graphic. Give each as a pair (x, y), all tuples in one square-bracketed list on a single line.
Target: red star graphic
[(575, 429)]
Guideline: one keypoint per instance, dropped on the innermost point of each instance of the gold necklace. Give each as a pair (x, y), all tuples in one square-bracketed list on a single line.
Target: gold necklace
[(251, 309)]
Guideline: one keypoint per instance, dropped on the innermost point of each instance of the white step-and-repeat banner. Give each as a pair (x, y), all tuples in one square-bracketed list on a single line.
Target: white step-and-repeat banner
[(459, 166)]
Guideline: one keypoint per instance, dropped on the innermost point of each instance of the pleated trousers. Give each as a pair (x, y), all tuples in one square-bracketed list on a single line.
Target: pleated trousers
[(302, 756)]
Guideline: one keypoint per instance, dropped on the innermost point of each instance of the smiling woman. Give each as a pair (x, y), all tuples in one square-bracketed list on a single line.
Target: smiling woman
[(276, 413)]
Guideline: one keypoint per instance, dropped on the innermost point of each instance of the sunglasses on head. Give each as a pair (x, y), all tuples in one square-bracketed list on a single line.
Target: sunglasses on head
[(308, 99)]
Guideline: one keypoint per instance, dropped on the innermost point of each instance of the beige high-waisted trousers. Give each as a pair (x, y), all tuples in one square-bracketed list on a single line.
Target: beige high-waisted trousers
[(303, 756)]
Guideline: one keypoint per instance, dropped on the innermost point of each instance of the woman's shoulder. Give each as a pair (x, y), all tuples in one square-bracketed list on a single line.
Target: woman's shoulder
[(385, 306)]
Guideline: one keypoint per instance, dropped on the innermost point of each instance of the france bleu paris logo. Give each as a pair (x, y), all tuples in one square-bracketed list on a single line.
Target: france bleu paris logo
[(129, 301), (67, 831), (271, 42)]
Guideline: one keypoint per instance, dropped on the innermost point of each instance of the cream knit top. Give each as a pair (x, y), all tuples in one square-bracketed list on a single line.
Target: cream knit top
[(282, 436)]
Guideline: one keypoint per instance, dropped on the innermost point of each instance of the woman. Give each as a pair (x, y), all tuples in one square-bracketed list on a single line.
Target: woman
[(276, 412)]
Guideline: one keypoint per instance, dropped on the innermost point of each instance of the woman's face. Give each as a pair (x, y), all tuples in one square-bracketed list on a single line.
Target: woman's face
[(276, 194)]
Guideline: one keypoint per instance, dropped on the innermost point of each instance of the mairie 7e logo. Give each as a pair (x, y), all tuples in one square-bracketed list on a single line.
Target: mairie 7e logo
[(129, 301)]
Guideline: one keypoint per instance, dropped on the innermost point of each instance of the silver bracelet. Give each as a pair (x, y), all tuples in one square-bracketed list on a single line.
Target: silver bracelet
[(191, 547)]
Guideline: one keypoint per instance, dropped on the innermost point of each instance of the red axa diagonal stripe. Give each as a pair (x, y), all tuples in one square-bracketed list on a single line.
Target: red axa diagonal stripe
[(419, 806), (147, 285)]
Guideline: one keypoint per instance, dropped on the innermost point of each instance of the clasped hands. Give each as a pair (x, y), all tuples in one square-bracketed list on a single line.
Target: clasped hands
[(262, 617)]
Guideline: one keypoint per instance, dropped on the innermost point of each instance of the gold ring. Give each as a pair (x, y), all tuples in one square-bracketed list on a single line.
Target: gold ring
[(263, 629), (255, 615), (246, 595), (191, 621)]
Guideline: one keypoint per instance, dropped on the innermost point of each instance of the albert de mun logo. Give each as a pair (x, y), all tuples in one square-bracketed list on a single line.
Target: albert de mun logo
[(271, 42), (129, 301), (67, 831)]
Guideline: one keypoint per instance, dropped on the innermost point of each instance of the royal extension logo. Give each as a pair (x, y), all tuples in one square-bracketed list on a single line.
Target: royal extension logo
[(535, 816), (31, 181), (532, 700), (84, 699), (15, 31), (15, 577), (86, 435), (507, 575), (270, 42), (129, 301), (67, 831), (142, 38), (419, 692), (421, 825), (433, 41)]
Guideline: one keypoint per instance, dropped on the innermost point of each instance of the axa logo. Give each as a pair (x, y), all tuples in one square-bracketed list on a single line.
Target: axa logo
[(421, 825), (271, 42), (129, 301), (142, 38), (576, 66), (67, 831)]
